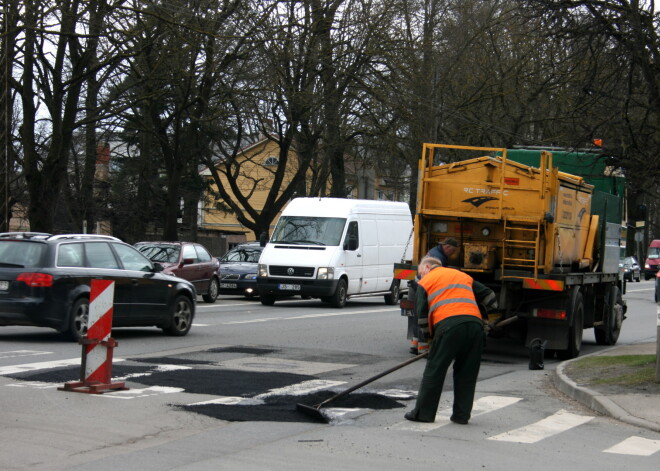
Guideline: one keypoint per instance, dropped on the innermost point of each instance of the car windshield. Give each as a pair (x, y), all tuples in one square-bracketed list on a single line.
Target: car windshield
[(654, 252), (21, 254), (242, 254), (307, 230), (161, 252)]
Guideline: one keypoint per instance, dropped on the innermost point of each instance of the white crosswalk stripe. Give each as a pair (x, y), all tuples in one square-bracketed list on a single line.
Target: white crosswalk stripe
[(635, 446), (558, 422), (481, 406)]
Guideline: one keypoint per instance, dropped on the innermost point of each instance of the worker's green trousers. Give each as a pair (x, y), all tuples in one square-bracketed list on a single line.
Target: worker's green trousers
[(461, 344)]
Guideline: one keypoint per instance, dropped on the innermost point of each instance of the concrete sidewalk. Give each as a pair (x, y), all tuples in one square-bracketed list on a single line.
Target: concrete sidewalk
[(635, 408)]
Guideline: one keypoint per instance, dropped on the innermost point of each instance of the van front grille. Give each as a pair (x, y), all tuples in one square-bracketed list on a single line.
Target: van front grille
[(279, 270)]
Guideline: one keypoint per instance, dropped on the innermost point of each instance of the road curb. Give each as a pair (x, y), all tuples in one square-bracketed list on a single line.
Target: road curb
[(595, 400)]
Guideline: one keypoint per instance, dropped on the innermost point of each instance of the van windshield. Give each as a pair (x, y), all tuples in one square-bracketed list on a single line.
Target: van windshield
[(307, 230), (654, 252)]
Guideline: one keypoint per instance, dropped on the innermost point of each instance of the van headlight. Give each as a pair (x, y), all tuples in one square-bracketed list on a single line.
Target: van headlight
[(263, 270), (325, 273)]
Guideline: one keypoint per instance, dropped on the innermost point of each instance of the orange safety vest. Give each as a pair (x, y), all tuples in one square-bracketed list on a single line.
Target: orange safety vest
[(449, 294)]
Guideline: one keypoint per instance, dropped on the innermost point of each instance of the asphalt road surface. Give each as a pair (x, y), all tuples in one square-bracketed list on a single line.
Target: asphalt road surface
[(224, 398)]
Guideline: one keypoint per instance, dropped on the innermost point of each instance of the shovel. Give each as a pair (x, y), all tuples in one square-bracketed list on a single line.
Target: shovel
[(315, 411)]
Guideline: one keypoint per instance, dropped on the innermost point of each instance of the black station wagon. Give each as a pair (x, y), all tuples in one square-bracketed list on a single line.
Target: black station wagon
[(45, 282)]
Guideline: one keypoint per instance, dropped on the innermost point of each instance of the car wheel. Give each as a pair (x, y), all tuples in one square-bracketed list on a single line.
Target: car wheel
[(339, 298), (182, 316), (212, 293), (267, 299), (78, 319)]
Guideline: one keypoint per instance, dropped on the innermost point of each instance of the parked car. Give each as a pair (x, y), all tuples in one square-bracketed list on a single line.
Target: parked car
[(631, 269), (187, 260), (45, 282), (238, 270)]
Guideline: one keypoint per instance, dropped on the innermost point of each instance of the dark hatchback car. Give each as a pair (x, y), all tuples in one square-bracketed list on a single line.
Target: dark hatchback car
[(187, 260), (45, 282), (238, 270)]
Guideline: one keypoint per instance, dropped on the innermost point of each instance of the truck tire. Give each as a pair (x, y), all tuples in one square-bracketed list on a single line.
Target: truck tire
[(393, 297), (608, 333), (576, 318), (339, 298)]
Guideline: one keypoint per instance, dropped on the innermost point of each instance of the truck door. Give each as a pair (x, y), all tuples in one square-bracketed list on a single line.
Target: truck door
[(353, 257)]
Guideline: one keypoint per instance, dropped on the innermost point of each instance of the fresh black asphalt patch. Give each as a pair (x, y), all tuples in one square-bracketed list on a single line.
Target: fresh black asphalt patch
[(205, 377), (283, 408), (223, 382), (246, 350), (62, 375)]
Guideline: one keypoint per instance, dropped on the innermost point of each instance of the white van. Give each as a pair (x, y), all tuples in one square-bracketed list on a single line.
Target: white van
[(334, 249)]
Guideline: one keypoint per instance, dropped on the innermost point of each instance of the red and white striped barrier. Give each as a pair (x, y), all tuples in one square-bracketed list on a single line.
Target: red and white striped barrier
[(97, 346)]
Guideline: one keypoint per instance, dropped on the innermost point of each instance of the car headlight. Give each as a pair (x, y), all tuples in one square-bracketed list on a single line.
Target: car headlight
[(263, 270), (325, 273), (646, 265), (251, 276)]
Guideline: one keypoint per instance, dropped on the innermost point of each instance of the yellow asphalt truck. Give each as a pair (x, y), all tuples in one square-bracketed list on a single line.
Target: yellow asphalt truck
[(546, 241)]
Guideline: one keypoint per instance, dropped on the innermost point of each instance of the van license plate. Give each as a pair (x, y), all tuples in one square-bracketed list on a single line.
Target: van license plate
[(228, 285), (289, 287), (4, 285)]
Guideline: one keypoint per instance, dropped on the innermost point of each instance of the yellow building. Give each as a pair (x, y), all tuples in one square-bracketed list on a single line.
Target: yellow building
[(257, 164)]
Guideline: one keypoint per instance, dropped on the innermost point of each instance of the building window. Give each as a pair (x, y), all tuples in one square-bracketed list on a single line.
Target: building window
[(272, 161)]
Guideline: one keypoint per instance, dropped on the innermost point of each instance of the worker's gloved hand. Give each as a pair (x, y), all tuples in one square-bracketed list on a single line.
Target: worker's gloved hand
[(489, 303)]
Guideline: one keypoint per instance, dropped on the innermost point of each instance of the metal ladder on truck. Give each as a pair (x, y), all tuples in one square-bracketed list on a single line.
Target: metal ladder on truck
[(521, 243)]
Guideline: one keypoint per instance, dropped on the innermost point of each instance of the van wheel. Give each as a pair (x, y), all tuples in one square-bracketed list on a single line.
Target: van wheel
[(393, 297), (267, 299), (339, 298)]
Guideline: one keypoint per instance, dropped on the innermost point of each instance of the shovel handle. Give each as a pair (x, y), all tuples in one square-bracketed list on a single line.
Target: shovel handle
[(373, 378)]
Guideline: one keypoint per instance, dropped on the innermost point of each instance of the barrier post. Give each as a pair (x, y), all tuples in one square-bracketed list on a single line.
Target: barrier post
[(97, 345)]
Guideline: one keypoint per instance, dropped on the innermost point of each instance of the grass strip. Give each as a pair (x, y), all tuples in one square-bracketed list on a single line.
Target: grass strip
[(620, 370)]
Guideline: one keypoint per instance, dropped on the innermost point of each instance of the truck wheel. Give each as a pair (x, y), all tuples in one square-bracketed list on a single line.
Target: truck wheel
[(393, 297), (576, 317), (608, 333), (339, 298), (267, 299)]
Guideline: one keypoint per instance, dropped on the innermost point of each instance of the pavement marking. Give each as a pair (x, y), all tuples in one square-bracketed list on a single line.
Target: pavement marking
[(270, 364), (481, 406), (298, 389), (34, 385), (135, 393), (13, 369), (22, 353), (635, 446), (309, 316), (558, 422)]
